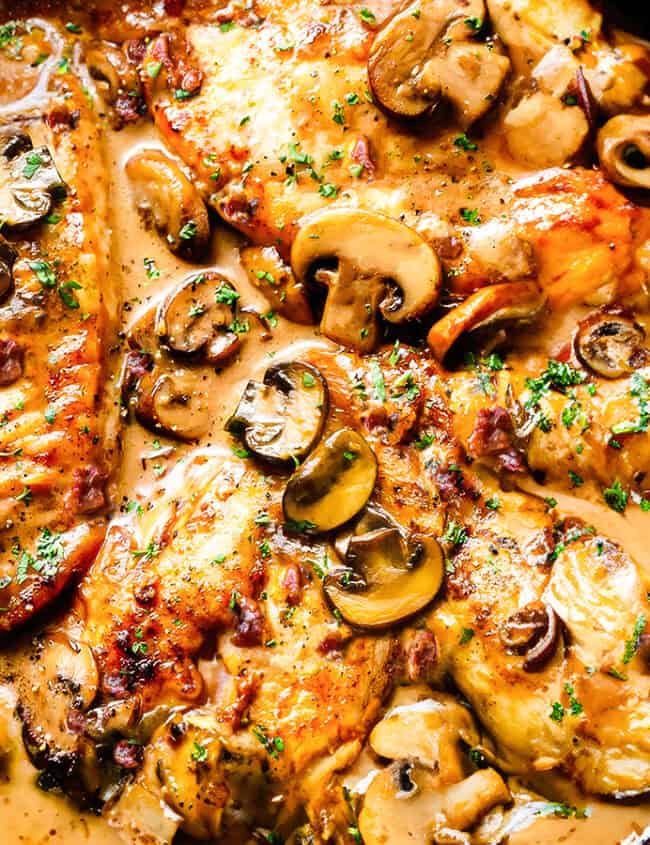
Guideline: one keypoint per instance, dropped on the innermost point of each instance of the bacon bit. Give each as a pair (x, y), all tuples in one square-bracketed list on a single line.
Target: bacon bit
[(250, 626), (136, 365), (88, 488), (449, 483), (246, 692), (361, 154), (314, 31), (146, 593), (448, 248), (331, 644), (421, 656), (62, 118), (129, 108), (114, 685), (135, 50), (76, 721), (127, 755), (236, 208), (174, 7), (11, 361), (292, 584), (493, 435)]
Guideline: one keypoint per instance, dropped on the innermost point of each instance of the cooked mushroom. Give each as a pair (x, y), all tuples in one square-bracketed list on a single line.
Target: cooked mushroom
[(532, 631), (57, 680), (386, 578), (268, 272), (624, 150), (172, 403), (428, 728), (29, 183), (8, 256), (427, 53), (168, 200), (108, 64), (380, 264), (514, 302), (405, 805), (195, 318), (549, 124), (611, 343), (281, 418), (333, 484)]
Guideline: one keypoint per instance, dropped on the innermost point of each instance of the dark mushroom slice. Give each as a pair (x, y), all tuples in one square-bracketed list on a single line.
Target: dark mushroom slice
[(195, 318), (281, 418), (611, 343), (8, 257), (494, 305), (333, 484), (532, 631), (427, 53), (11, 361), (167, 199), (172, 403), (624, 150), (386, 578), (29, 183)]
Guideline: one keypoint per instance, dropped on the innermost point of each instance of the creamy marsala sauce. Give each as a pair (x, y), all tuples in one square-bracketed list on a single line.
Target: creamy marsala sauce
[(30, 816)]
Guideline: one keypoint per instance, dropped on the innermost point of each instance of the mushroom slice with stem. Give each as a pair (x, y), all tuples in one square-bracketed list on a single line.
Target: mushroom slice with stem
[(169, 201), (514, 302), (386, 578), (281, 418), (405, 805), (369, 263), (611, 343), (29, 183), (533, 631), (427, 53), (624, 150), (172, 403), (268, 272), (195, 318), (333, 484)]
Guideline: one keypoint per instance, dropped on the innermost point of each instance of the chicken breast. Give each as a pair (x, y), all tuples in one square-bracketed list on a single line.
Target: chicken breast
[(56, 323)]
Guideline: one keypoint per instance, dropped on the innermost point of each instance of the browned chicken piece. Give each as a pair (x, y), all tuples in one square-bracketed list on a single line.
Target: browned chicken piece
[(217, 561), (577, 420), (56, 320)]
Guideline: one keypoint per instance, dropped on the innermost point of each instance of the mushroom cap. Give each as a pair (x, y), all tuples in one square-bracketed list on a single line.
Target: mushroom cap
[(29, 182), (624, 150), (375, 246)]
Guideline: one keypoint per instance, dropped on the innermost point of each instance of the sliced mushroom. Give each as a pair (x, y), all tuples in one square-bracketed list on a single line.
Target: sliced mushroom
[(611, 343), (532, 631), (514, 302), (380, 264), (195, 318), (117, 718), (58, 680), (8, 256), (404, 804), (624, 150), (172, 403), (386, 579), (11, 361), (281, 418), (268, 272), (29, 183), (427, 53), (429, 730), (167, 200), (333, 484)]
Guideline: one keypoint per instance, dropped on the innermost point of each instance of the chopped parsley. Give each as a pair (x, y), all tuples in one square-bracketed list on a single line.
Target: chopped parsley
[(328, 190), (32, 163), (199, 752), (639, 390), (564, 811), (632, 645), (226, 295), (557, 712), (66, 293), (493, 503), (188, 231), (455, 534), (44, 273), (574, 705), (471, 216), (616, 497), (378, 381), (367, 16), (272, 745), (558, 375), (466, 635), (150, 267), (463, 142)]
